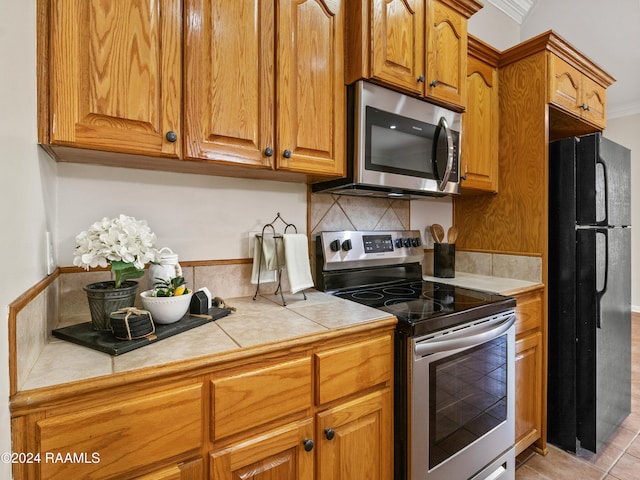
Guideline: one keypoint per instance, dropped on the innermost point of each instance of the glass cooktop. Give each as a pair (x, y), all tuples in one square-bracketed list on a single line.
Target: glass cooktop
[(424, 307)]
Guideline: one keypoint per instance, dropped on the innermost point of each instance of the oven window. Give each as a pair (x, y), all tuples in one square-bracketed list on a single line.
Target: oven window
[(468, 398)]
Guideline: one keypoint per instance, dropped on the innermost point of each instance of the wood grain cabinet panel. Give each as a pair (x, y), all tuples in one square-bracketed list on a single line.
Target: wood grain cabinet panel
[(576, 93), (480, 121), (126, 434), (261, 97), (279, 454), (350, 369), (529, 398), (115, 75), (354, 439), (248, 399)]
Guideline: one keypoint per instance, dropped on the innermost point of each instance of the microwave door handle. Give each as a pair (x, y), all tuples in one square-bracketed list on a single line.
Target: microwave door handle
[(450, 153)]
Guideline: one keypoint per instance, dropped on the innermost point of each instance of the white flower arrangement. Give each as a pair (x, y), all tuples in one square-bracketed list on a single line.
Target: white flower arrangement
[(123, 242)]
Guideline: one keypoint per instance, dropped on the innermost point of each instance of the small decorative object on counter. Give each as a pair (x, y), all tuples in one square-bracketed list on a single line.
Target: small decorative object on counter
[(132, 323), (166, 267), (168, 301), (124, 244)]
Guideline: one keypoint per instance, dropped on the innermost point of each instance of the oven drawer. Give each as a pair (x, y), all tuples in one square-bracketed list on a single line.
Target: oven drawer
[(347, 370)]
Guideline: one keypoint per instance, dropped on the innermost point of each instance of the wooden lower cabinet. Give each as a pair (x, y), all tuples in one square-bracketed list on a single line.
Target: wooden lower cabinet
[(285, 453), (264, 416), (530, 386), (354, 439)]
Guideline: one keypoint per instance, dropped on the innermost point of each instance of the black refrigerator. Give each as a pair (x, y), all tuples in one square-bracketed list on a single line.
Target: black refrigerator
[(589, 288)]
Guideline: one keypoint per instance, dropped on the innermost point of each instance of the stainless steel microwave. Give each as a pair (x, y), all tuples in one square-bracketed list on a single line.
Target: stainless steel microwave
[(398, 146)]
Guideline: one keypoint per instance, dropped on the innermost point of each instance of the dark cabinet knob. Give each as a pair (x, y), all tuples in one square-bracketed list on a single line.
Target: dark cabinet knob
[(268, 151), (329, 433), (286, 154), (421, 79), (434, 83), (307, 444), (171, 136)]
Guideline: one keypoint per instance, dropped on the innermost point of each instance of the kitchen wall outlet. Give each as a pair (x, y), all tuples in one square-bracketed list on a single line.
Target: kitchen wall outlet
[(49, 253)]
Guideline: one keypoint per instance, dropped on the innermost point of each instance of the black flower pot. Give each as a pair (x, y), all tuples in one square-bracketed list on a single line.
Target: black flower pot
[(104, 298)]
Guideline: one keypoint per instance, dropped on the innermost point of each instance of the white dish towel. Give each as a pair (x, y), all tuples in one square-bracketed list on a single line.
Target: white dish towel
[(296, 252), (264, 250)]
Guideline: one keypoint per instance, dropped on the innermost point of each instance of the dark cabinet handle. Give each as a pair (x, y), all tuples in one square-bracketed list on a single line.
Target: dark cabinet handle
[(308, 444), (329, 433), (268, 151), (171, 136), (434, 83), (286, 154), (421, 79)]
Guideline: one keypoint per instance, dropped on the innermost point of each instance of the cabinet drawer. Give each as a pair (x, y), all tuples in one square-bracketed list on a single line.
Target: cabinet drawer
[(124, 435), (346, 370), (249, 399), (528, 312)]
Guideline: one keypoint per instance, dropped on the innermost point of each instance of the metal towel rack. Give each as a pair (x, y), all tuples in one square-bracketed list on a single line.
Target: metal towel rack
[(276, 236)]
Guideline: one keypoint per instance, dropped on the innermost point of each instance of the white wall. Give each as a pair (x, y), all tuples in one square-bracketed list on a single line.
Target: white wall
[(27, 182), (624, 130), (199, 217)]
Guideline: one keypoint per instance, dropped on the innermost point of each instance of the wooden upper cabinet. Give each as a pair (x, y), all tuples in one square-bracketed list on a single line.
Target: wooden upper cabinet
[(480, 121), (259, 97), (446, 53), (576, 93), (397, 38), (115, 75), (417, 46), (229, 81), (310, 88)]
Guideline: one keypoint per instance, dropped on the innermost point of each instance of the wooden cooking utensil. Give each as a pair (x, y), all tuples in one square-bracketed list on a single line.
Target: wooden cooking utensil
[(452, 234), (437, 232)]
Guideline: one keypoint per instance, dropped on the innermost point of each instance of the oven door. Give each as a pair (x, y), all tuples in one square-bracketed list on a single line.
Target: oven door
[(462, 401)]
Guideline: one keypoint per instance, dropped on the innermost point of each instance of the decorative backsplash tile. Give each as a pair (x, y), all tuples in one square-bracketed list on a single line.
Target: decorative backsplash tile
[(344, 212)]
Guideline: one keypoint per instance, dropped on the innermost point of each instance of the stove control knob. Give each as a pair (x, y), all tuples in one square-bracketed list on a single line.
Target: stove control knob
[(346, 245), (399, 243), (415, 242), (335, 245), (407, 242)]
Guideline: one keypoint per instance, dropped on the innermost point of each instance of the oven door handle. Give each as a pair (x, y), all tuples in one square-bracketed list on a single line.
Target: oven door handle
[(483, 335)]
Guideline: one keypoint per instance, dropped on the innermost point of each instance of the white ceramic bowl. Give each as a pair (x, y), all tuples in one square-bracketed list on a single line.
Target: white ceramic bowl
[(166, 309)]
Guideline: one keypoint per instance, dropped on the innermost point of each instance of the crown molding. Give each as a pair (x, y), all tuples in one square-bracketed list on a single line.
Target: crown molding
[(516, 9)]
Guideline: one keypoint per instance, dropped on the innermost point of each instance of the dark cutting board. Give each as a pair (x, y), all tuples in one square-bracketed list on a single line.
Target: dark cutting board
[(83, 334)]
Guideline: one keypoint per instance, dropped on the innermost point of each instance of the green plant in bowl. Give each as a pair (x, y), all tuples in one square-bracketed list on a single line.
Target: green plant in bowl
[(172, 287)]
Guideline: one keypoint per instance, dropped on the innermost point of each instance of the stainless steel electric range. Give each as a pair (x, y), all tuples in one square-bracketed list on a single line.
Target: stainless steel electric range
[(454, 355)]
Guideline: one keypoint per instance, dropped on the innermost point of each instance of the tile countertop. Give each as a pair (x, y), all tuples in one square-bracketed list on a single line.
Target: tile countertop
[(504, 286), (255, 323)]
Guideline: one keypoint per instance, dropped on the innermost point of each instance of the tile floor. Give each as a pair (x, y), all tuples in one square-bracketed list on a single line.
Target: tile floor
[(618, 460)]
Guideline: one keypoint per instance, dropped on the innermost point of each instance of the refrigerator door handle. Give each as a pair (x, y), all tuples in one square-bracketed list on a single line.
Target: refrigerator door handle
[(605, 220), (603, 290)]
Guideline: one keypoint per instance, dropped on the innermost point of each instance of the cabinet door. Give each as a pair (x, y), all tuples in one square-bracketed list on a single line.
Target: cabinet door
[(446, 54), (356, 440), (115, 75), (397, 38), (311, 92), (282, 454), (528, 390), (594, 101), (480, 127), (123, 435), (564, 85), (229, 81)]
